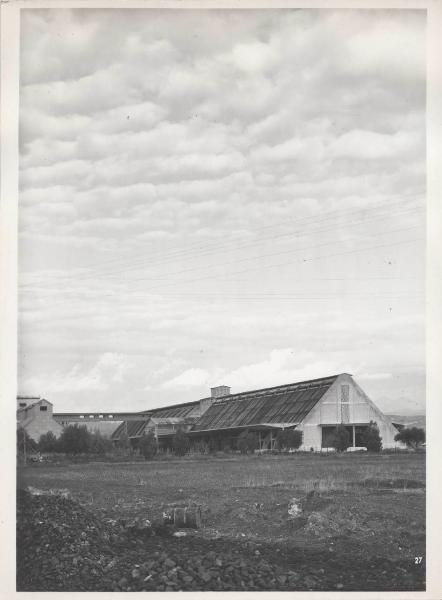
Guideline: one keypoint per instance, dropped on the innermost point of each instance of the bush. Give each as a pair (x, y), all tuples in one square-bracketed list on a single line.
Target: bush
[(24, 442), (247, 442), (287, 439), (124, 442), (148, 445), (180, 443), (413, 437), (48, 442), (75, 439), (99, 444), (371, 438), (340, 440)]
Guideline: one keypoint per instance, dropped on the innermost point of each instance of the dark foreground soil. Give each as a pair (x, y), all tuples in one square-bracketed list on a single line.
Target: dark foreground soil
[(63, 546)]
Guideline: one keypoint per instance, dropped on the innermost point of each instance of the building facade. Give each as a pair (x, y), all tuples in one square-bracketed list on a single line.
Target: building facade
[(35, 416), (315, 407)]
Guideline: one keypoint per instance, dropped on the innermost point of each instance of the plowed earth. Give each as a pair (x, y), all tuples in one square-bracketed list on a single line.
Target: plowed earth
[(345, 537)]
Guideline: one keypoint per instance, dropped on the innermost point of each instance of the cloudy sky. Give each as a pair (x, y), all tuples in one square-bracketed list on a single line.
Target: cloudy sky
[(220, 197)]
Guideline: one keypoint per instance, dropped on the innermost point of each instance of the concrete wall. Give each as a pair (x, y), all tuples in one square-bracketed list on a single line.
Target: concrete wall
[(357, 409)]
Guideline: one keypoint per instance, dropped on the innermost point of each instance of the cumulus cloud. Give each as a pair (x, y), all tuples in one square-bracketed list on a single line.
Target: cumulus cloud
[(360, 144), (188, 378), (110, 369), (282, 365), (159, 148)]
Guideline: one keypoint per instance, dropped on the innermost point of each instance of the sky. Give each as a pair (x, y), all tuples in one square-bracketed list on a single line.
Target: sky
[(218, 197)]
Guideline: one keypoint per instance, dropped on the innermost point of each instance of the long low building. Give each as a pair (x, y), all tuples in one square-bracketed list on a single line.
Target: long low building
[(314, 407)]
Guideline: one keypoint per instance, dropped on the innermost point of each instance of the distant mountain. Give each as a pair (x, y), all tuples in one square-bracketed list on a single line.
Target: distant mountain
[(400, 406), (409, 420)]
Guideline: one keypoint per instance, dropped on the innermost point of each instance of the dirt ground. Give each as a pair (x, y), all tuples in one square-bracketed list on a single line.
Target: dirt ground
[(360, 523)]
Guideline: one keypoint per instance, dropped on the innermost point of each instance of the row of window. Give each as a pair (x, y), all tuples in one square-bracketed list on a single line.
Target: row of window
[(93, 416)]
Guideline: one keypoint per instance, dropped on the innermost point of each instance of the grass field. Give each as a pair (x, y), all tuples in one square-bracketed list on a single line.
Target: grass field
[(366, 506)]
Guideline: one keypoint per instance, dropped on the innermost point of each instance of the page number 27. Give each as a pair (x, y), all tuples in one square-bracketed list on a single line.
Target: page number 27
[(417, 560)]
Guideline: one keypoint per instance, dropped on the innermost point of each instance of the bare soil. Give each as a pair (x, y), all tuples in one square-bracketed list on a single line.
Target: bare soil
[(361, 525)]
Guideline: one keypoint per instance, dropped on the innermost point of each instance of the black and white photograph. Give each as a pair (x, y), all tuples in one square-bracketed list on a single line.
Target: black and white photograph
[(221, 299)]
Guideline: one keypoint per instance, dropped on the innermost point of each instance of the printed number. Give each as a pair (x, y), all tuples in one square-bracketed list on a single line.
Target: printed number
[(417, 560)]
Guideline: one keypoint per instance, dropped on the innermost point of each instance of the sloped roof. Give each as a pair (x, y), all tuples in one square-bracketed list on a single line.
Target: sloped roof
[(177, 413), (134, 429), (37, 401), (282, 404), (176, 410), (166, 420)]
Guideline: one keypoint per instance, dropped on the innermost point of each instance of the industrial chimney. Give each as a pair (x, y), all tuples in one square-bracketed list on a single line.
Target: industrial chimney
[(219, 391), (216, 392)]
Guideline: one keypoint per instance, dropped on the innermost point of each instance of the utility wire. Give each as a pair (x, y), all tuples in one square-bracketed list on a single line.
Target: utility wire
[(293, 233), (200, 251)]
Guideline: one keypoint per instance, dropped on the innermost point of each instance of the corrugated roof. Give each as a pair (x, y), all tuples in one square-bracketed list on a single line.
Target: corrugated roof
[(166, 420), (134, 429), (282, 404), (176, 410)]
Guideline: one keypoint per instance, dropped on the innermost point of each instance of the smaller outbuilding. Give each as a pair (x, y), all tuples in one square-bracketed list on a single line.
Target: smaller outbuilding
[(35, 416)]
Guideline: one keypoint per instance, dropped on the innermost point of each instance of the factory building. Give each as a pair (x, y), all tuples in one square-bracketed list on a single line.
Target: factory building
[(314, 407)]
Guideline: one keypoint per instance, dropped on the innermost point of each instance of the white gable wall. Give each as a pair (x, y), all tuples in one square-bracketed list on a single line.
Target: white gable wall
[(359, 410)]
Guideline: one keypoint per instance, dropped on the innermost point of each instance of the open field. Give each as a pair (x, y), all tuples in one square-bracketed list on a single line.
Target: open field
[(361, 528)]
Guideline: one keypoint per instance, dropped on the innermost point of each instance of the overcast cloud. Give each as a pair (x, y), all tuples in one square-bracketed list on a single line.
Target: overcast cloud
[(220, 197)]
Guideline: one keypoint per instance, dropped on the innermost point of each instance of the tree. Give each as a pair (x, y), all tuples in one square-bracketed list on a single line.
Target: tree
[(180, 443), (124, 441), (247, 442), (413, 437), (75, 439), (288, 439), (340, 439), (48, 442), (25, 444), (148, 445), (371, 438), (99, 444)]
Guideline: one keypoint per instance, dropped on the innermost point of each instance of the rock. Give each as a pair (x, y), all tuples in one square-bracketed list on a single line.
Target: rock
[(169, 563), (294, 508)]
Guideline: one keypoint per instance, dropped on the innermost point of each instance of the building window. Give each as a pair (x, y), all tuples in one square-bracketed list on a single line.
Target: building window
[(43, 408), (345, 403), (22, 404)]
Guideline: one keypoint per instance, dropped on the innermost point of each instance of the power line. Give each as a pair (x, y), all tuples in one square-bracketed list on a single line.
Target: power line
[(293, 233), (202, 251), (357, 250), (353, 251), (259, 256)]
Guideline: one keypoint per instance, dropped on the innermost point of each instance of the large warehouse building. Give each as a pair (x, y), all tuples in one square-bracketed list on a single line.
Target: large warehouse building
[(314, 407)]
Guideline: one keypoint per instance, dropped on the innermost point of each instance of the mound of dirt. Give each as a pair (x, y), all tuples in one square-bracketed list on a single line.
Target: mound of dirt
[(62, 546)]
